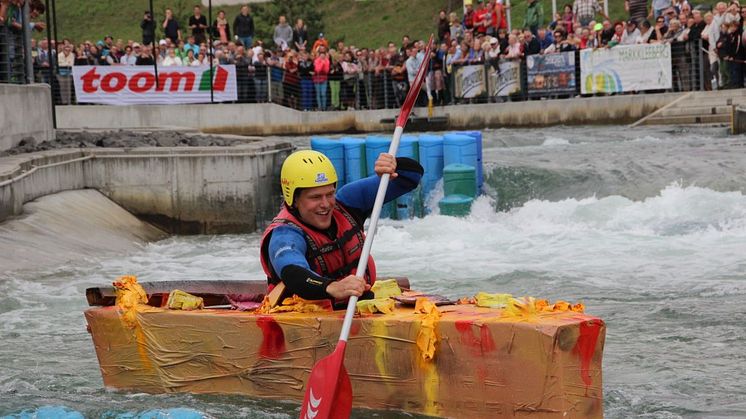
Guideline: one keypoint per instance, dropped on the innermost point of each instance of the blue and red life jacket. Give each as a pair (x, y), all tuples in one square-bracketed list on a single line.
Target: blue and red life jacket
[(332, 258)]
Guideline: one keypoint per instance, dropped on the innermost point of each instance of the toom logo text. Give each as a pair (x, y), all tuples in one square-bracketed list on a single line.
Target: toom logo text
[(128, 85)]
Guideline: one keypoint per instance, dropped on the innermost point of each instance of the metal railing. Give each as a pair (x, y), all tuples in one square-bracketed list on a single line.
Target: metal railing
[(12, 57)]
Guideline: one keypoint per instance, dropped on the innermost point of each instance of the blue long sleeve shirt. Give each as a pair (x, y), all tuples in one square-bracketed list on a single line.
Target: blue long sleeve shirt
[(287, 243)]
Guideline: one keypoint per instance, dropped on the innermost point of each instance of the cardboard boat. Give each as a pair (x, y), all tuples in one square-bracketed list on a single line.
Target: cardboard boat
[(486, 365)]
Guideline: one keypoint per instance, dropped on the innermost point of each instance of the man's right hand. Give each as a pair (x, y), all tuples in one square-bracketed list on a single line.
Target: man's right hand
[(347, 287)]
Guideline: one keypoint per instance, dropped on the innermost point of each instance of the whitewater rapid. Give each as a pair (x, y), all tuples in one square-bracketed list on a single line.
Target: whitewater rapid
[(666, 270)]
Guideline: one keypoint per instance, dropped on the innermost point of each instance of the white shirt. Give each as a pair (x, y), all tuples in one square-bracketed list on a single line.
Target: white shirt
[(630, 38), (168, 61)]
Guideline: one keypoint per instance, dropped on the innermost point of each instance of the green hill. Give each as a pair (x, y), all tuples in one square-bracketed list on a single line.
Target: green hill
[(369, 23)]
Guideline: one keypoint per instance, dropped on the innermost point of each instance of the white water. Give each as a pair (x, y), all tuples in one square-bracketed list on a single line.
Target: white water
[(668, 274)]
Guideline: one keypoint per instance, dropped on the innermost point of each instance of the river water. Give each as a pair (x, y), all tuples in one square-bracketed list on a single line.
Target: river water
[(647, 227)]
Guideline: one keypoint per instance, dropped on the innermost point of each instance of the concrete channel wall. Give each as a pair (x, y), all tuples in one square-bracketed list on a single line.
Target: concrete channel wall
[(185, 190), (272, 119), (25, 112)]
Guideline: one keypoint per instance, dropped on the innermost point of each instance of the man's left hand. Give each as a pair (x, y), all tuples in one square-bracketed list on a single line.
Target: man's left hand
[(386, 163)]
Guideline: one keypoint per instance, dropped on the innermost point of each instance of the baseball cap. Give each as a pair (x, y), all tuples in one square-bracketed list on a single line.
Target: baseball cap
[(598, 27), (162, 42), (493, 41), (321, 35), (632, 22)]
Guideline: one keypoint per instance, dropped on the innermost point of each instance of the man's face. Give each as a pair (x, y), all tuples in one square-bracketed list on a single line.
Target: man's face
[(245, 10), (315, 205), (282, 20), (169, 13), (197, 11)]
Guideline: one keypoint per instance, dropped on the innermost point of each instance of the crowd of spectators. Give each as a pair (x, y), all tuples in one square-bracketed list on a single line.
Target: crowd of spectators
[(307, 72)]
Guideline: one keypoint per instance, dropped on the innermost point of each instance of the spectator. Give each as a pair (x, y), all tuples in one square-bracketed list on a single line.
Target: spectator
[(659, 30), (499, 19), (545, 39), (190, 45), (243, 25), (171, 27), (637, 9), (616, 38), (171, 59), (112, 58), (659, 6), (568, 18), (190, 58), (534, 16), (436, 69), (291, 80), (81, 58), (320, 42), (321, 69), (198, 24), (300, 35), (335, 80), (283, 34), (607, 33), (305, 71), (533, 46), (468, 17), (145, 57), (260, 78), (482, 18), (585, 11), (243, 81), (631, 35), (349, 80), (221, 29), (444, 29), (129, 57), (514, 47), (645, 32), (148, 29), (456, 28)]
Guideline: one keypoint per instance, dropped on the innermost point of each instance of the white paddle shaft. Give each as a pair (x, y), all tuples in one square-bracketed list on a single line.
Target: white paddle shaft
[(363, 263)]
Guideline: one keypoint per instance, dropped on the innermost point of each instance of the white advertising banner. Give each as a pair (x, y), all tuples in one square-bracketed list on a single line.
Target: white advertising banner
[(130, 85), (470, 81), (625, 68), (506, 81)]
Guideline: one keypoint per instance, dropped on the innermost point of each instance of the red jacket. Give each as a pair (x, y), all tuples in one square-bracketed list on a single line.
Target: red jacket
[(320, 69)]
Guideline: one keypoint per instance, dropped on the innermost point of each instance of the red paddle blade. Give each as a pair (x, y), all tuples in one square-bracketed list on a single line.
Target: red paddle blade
[(414, 89), (329, 391)]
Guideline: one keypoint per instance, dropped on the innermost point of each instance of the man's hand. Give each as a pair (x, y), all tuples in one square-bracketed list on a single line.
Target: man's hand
[(386, 163), (347, 287)]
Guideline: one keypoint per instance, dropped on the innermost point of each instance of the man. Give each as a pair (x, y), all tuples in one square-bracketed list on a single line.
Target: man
[(534, 16), (482, 18), (631, 35), (148, 29), (545, 39), (532, 45), (243, 26), (637, 9), (314, 244), (283, 34), (171, 27), (584, 11), (412, 65), (198, 24)]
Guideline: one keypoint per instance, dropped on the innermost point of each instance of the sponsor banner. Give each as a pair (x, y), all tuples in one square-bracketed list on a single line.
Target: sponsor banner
[(506, 81), (551, 74), (470, 81), (128, 85), (625, 68)]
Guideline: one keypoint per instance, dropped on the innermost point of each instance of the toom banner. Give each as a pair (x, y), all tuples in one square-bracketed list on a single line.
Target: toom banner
[(551, 74), (506, 80), (470, 82), (128, 85), (625, 68)]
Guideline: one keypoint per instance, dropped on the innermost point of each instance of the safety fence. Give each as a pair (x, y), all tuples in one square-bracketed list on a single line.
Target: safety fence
[(12, 64), (681, 66)]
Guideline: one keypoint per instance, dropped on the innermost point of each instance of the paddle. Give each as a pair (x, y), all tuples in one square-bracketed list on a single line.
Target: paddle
[(329, 391)]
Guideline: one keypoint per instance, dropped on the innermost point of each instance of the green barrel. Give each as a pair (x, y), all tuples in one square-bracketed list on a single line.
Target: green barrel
[(460, 179), (455, 205)]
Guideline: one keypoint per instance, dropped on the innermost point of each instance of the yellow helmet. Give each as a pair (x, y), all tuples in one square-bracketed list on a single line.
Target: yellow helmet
[(305, 169)]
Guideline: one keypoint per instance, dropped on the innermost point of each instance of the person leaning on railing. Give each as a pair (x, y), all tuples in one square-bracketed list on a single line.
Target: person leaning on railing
[(321, 67)]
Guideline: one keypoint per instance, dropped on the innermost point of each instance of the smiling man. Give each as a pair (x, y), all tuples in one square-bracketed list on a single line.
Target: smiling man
[(314, 244)]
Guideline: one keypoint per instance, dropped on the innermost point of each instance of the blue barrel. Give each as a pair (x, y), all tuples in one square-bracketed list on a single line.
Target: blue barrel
[(334, 150), (431, 159), (355, 163), (480, 170), (460, 148), (409, 204), (374, 146)]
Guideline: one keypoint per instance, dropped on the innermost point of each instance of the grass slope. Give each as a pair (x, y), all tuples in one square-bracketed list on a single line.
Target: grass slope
[(358, 22)]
